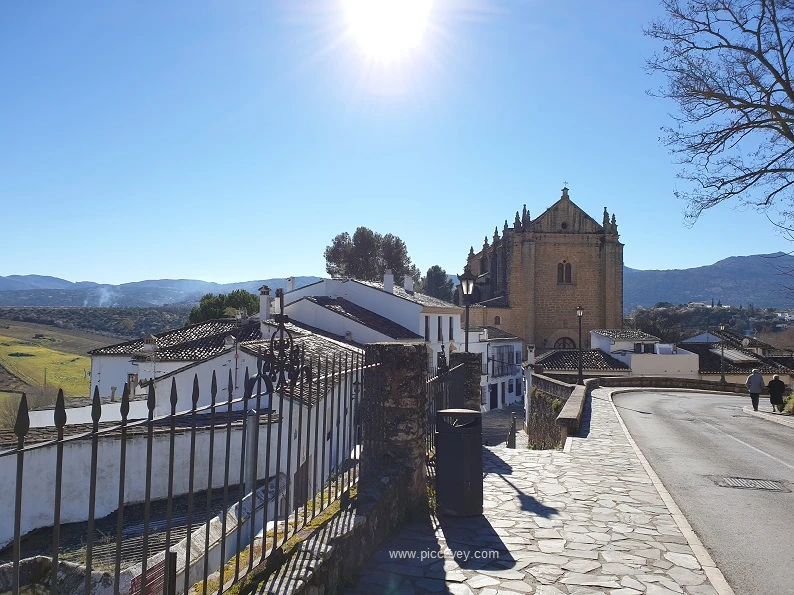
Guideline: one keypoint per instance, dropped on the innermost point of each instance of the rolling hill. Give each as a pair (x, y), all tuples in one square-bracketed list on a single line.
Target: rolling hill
[(763, 280)]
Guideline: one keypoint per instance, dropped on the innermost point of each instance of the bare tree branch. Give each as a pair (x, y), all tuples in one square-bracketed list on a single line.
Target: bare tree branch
[(726, 66)]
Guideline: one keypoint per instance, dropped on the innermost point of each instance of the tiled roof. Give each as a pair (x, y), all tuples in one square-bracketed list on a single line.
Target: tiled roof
[(419, 298), (363, 316), (710, 359), (494, 333), (568, 359), (626, 334), (182, 423), (734, 339), (195, 341), (207, 347)]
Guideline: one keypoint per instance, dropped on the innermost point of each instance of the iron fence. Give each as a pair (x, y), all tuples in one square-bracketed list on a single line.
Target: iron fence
[(176, 500), (444, 391)]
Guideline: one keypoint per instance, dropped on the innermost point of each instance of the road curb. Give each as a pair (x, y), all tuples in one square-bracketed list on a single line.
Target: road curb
[(778, 418), (714, 574)]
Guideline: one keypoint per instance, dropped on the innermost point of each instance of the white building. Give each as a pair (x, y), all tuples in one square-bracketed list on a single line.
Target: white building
[(343, 312), (644, 354), (502, 378)]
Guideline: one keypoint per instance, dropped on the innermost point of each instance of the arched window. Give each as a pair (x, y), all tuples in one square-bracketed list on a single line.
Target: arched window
[(564, 273), (497, 320), (564, 343)]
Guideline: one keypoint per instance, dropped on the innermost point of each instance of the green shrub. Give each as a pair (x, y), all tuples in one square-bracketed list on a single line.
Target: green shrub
[(556, 405)]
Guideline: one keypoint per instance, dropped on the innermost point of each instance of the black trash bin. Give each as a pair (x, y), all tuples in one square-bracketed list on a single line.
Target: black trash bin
[(459, 462)]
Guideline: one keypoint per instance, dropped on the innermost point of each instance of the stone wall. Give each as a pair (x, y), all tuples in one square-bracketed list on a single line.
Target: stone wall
[(472, 395)]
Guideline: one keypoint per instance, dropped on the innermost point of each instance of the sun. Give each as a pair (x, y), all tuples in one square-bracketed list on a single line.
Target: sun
[(387, 30)]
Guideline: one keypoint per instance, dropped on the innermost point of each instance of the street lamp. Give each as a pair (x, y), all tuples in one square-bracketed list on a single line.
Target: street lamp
[(579, 314), (722, 355), (467, 287)]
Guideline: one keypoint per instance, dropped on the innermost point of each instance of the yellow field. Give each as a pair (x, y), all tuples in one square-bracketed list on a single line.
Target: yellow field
[(31, 361)]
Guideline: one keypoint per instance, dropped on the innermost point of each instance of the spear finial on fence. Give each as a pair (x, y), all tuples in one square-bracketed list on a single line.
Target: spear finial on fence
[(174, 396), (230, 385), (60, 413), (22, 424), (195, 397), (96, 408), (125, 402), (214, 388), (150, 399)]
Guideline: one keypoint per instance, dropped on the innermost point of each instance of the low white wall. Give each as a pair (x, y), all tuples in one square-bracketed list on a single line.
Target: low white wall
[(682, 365), (39, 466)]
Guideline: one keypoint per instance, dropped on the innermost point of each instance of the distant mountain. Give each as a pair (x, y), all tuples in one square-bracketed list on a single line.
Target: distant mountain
[(760, 280), (763, 280), (37, 291)]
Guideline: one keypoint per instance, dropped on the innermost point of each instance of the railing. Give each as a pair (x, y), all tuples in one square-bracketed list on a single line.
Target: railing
[(498, 369), (174, 499), (444, 391)]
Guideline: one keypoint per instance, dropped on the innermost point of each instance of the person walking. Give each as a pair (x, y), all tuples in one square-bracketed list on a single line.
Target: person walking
[(755, 385), (776, 389)]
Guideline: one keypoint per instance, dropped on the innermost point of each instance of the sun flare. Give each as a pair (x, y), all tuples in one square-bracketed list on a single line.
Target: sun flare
[(387, 30)]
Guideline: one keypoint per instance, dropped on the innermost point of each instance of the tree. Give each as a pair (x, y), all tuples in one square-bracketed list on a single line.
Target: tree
[(437, 283), (213, 306), (727, 69), (367, 255)]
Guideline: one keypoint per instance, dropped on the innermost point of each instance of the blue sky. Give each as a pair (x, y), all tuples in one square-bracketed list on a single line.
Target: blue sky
[(229, 141)]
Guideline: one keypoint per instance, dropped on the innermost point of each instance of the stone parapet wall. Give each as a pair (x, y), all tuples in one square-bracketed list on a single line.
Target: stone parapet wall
[(472, 393)]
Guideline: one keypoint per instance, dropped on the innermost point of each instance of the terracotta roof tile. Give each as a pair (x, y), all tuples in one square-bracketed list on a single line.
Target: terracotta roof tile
[(196, 341), (568, 359), (626, 334), (419, 298)]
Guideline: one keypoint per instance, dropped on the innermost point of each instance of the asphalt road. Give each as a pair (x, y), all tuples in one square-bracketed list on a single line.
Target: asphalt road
[(695, 441)]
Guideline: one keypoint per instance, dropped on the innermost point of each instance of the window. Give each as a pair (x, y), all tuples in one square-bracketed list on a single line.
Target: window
[(451, 327), (510, 386), (519, 386), (638, 348), (564, 273), (439, 331), (564, 343), (427, 328), (503, 357), (497, 320)]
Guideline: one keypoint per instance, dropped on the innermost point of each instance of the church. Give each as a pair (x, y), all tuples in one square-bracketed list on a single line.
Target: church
[(532, 278)]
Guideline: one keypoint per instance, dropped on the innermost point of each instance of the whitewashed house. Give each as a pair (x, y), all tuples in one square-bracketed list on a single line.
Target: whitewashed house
[(502, 377), (339, 307), (644, 354)]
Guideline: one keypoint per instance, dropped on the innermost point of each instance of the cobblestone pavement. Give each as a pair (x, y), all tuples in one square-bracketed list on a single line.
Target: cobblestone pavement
[(588, 521), (496, 424)]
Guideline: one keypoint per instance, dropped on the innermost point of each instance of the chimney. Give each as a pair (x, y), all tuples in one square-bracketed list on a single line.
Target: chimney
[(264, 307), (290, 283), (409, 285), (388, 281)]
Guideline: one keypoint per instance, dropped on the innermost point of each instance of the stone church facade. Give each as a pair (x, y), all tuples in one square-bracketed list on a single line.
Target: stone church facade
[(532, 278)]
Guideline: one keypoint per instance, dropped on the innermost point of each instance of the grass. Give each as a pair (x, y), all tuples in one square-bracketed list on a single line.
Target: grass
[(28, 360), (70, 341), (302, 533)]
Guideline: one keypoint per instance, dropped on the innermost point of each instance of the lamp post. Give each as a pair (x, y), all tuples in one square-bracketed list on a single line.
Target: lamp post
[(722, 355), (467, 287), (579, 314)]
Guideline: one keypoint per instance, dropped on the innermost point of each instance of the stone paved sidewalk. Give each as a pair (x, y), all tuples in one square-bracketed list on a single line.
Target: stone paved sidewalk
[(587, 521)]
